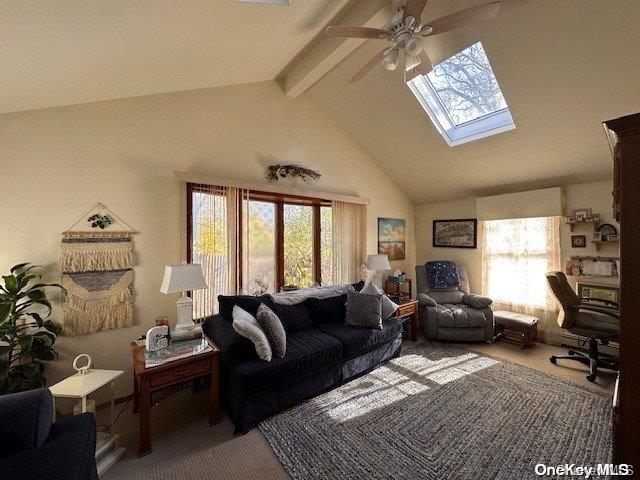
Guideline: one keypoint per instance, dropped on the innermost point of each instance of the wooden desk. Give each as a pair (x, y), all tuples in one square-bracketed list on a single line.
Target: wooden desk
[(409, 310), (148, 379)]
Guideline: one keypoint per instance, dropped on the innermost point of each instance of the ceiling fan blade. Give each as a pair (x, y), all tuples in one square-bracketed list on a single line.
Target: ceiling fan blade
[(356, 32), (422, 68), (368, 66), (461, 19), (425, 63), (414, 8)]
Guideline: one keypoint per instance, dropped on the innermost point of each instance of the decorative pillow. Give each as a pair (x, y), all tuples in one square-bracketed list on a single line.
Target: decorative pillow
[(389, 307), (327, 310), (273, 329), (364, 310), (248, 303), (246, 325), (442, 275)]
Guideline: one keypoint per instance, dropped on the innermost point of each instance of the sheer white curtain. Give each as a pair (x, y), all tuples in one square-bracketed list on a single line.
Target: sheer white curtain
[(349, 235), (516, 255), (210, 242)]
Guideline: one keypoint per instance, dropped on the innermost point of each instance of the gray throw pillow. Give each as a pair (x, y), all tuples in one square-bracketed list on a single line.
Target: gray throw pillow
[(246, 325), (389, 307), (364, 310), (273, 329)]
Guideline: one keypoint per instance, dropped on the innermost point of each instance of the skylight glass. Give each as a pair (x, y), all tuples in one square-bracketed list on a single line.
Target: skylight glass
[(463, 98)]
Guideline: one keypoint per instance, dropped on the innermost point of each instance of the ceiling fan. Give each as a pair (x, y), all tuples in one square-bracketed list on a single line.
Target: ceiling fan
[(406, 31)]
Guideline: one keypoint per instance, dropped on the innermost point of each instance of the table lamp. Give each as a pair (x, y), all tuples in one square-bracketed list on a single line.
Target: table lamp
[(377, 263), (183, 278)]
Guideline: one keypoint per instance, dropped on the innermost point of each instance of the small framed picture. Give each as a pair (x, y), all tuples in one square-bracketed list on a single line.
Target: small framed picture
[(596, 293), (582, 214), (578, 241), (597, 237)]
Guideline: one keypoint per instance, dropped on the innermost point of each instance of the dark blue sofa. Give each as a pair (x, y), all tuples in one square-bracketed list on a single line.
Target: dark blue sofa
[(34, 448), (322, 353)]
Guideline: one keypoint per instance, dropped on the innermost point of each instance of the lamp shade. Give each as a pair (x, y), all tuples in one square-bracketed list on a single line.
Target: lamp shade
[(182, 278), (378, 262)]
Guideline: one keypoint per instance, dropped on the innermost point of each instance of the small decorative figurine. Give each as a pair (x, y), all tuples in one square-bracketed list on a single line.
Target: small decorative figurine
[(157, 338)]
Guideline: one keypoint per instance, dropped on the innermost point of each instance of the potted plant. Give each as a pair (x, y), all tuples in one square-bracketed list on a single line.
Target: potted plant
[(26, 334)]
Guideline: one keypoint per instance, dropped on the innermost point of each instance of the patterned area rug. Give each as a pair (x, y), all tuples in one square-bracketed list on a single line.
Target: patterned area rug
[(442, 411)]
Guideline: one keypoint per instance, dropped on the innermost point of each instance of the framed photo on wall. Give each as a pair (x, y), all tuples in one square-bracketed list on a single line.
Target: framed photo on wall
[(456, 233), (392, 237)]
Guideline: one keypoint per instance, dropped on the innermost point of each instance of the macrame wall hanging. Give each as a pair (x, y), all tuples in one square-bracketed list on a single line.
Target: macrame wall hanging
[(97, 271)]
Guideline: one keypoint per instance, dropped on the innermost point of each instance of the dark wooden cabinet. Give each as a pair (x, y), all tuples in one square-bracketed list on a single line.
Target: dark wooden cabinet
[(624, 138)]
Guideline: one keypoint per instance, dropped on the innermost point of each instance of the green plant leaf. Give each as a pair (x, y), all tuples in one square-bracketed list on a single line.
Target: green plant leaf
[(51, 338), (36, 294), (46, 354), (24, 280), (19, 266), (25, 342), (11, 284), (53, 327), (5, 310)]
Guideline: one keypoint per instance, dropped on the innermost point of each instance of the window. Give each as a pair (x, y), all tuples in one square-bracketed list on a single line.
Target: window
[(282, 240), (462, 97), (516, 256)]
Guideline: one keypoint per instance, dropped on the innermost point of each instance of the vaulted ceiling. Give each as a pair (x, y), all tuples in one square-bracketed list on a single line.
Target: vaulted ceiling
[(61, 52), (564, 66)]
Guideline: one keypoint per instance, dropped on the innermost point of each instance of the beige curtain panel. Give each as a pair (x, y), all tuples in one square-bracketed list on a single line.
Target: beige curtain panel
[(349, 248)]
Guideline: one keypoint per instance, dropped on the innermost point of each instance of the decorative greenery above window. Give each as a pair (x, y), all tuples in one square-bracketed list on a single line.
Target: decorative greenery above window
[(462, 97)]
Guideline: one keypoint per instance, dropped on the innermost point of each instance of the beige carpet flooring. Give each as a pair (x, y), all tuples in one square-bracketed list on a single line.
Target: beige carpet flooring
[(186, 447)]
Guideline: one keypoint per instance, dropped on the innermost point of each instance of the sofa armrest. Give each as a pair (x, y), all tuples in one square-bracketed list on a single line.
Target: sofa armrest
[(426, 301), (25, 420), (476, 301), (235, 348), (68, 454)]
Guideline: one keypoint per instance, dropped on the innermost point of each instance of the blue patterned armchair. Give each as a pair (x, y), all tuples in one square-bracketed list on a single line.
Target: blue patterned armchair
[(455, 315)]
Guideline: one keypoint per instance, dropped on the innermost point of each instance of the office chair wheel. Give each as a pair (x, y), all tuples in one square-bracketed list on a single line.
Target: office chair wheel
[(553, 359), (591, 377)]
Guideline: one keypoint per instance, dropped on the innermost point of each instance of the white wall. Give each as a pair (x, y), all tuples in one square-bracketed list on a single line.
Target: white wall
[(56, 163), (596, 195)]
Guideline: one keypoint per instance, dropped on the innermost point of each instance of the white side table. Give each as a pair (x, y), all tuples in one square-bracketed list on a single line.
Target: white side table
[(78, 386)]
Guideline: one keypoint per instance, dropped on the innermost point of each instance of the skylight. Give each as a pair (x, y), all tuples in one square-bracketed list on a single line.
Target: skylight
[(462, 97)]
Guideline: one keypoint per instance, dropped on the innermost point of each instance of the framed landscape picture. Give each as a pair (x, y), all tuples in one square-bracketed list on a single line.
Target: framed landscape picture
[(392, 237), (457, 233)]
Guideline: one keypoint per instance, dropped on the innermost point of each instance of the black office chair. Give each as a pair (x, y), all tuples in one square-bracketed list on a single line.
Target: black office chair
[(597, 323)]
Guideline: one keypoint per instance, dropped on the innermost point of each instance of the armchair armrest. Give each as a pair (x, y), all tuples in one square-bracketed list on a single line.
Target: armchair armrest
[(235, 348), (67, 454), (426, 301), (607, 311), (25, 421), (476, 301)]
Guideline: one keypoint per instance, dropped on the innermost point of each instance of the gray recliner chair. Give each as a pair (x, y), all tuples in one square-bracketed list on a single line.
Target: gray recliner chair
[(455, 315)]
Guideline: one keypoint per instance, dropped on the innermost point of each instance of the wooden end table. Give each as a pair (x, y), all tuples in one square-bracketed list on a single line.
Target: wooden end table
[(409, 311), (149, 379)]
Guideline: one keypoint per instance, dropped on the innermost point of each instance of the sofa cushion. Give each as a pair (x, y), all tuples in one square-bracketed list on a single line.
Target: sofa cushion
[(459, 316), (360, 340), (327, 310), (294, 318), (308, 352), (447, 297), (273, 329)]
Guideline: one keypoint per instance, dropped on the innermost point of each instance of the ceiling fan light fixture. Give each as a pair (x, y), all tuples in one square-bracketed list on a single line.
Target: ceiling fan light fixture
[(390, 60), (413, 46)]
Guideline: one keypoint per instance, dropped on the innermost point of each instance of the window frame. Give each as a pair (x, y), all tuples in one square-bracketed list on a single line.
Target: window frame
[(279, 200), (481, 127)]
